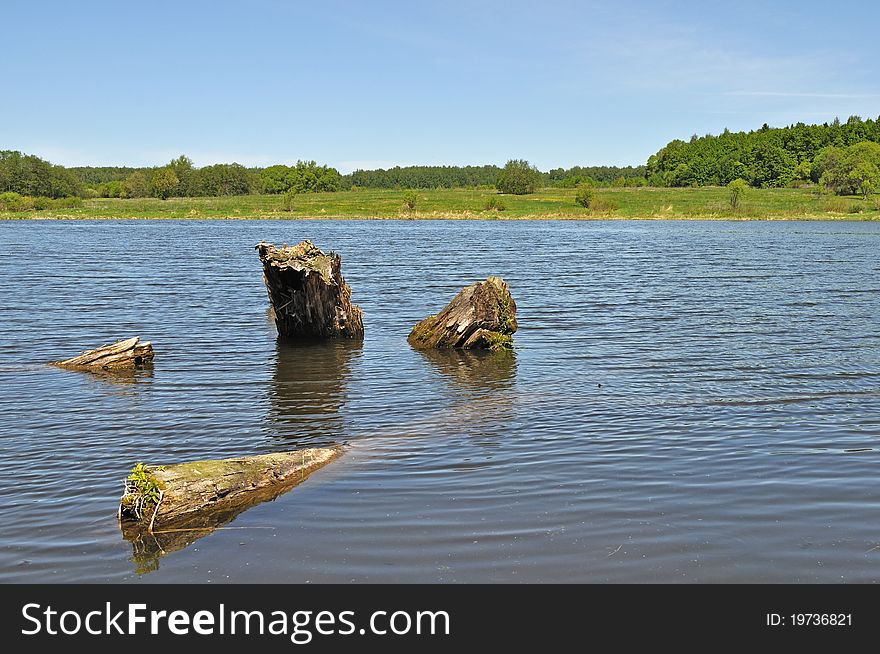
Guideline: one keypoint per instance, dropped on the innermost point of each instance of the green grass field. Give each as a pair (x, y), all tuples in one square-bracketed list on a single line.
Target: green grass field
[(705, 203)]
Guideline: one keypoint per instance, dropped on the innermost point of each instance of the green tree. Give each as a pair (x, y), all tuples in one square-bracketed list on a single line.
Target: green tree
[(287, 199), (585, 196), (851, 169), (865, 178), (137, 185), (518, 177), (738, 189), (183, 169), (274, 179), (164, 181), (223, 179), (804, 170)]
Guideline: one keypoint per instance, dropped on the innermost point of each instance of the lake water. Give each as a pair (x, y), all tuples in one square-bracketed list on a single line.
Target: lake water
[(687, 402)]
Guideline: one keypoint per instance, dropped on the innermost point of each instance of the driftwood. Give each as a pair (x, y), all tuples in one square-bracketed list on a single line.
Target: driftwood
[(122, 355), (481, 316), (308, 293), (199, 482), (200, 494)]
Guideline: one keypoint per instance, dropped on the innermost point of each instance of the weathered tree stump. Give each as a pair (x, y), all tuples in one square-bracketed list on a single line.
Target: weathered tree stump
[(201, 494), (127, 354), (481, 316), (308, 293)]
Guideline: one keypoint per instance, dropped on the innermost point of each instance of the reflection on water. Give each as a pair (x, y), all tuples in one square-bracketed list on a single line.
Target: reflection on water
[(147, 548), (121, 377), (308, 389), (688, 401), (306, 393), (475, 370), (483, 384)]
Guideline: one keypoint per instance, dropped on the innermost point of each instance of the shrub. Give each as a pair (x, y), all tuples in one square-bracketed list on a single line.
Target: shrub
[(835, 205), (518, 178), (602, 205), (585, 196), (856, 207), (409, 200), (14, 202), (738, 188), (66, 203), (287, 199), (494, 203), (42, 202)]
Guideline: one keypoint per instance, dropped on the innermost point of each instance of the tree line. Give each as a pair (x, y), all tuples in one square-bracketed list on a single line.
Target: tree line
[(30, 175), (26, 174), (428, 177), (766, 158), (843, 157), (180, 178)]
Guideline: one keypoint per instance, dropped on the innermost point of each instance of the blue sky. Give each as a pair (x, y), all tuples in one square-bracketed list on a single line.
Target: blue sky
[(369, 84)]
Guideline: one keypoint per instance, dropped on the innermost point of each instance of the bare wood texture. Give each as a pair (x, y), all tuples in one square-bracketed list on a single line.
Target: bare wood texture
[(128, 353), (481, 316), (308, 293), (199, 493)]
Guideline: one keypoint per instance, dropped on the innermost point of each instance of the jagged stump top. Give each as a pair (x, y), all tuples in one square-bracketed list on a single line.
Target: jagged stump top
[(308, 292), (481, 316)]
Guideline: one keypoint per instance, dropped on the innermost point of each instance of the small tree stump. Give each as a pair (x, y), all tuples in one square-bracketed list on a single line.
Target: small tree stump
[(308, 293), (122, 355), (195, 493), (481, 316)]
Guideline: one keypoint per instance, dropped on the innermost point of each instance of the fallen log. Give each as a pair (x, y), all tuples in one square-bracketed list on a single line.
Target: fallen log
[(126, 354), (481, 316), (308, 293), (202, 494)]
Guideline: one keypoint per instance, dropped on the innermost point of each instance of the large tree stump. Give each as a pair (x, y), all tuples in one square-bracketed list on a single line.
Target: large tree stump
[(122, 355), (481, 316), (308, 293), (198, 493)]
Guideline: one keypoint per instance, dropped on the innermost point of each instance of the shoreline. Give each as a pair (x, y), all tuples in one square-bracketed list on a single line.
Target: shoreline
[(637, 203), (6, 216)]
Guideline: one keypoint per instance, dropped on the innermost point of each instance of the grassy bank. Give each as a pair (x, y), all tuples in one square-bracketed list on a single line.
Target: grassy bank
[(707, 203)]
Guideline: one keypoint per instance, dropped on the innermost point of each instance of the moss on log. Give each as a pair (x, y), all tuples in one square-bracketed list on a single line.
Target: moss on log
[(308, 293), (121, 355), (481, 316), (200, 494)]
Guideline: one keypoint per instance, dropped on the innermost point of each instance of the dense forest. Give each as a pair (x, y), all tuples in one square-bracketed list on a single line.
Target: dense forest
[(426, 177), (29, 175), (768, 157), (843, 157)]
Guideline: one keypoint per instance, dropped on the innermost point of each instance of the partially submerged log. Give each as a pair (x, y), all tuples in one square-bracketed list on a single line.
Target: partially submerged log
[(202, 494), (308, 293), (481, 316), (121, 355)]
